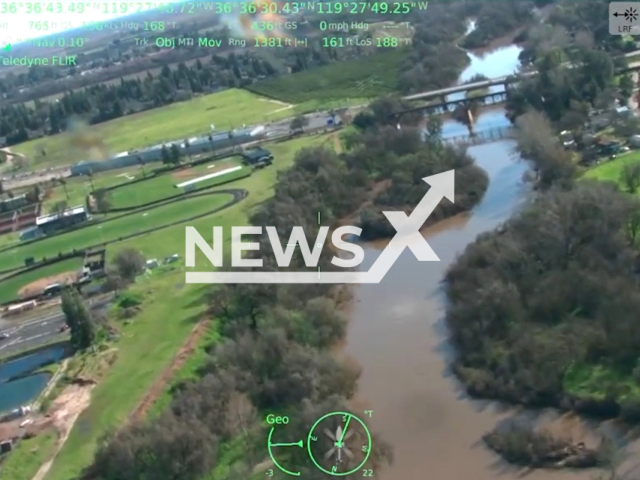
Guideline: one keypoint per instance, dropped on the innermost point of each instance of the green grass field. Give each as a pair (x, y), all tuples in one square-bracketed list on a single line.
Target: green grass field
[(112, 230), (9, 289), (26, 458), (227, 109), (77, 188), (611, 170), (149, 343), (164, 185), (366, 77)]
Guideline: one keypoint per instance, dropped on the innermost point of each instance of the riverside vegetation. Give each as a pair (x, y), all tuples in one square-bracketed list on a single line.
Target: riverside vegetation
[(273, 352), (542, 310)]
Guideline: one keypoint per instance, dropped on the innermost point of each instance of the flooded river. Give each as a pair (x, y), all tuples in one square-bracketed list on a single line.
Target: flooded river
[(396, 333)]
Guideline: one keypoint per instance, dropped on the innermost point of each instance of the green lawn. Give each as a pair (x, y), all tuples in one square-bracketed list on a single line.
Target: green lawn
[(77, 188), (146, 347), (111, 230), (164, 185), (227, 109), (9, 289), (170, 309), (260, 187), (611, 170), (366, 77), (25, 460)]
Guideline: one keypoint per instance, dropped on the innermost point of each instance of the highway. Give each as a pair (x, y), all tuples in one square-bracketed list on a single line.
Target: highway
[(39, 331)]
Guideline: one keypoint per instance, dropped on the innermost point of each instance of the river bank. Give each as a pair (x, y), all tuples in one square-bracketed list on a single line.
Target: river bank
[(397, 335)]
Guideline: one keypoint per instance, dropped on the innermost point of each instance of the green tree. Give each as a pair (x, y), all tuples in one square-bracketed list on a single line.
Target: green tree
[(298, 123), (79, 320), (129, 263)]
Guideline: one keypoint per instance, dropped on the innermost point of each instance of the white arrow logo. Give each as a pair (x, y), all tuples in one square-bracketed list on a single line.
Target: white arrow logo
[(408, 235)]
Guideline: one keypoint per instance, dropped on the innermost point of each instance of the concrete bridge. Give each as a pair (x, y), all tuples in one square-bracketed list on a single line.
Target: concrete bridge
[(492, 82), (443, 108), (484, 136)]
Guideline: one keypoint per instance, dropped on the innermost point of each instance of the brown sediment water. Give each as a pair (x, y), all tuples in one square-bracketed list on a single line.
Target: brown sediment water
[(397, 335)]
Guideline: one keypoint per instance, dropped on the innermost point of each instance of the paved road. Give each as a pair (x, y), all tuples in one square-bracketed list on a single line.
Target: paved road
[(31, 334), (39, 331)]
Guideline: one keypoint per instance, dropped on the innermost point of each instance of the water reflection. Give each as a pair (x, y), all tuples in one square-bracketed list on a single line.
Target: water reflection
[(397, 335), (500, 62), (17, 386)]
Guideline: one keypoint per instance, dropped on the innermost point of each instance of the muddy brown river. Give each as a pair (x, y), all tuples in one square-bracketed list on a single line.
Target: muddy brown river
[(396, 333)]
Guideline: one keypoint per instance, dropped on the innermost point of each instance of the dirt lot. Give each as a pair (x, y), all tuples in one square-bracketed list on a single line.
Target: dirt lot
[(63, 413), (34, 288), (184, 173)]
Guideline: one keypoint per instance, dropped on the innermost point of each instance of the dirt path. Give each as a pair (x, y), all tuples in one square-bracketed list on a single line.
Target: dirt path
[(159, 386), (277, 102), (337, 145), (65, 411)]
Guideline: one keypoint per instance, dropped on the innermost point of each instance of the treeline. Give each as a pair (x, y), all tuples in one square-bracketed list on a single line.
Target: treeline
[(103, 102), (566, 95), (494, 20), (541, 311), (274, 354), (434, 60)]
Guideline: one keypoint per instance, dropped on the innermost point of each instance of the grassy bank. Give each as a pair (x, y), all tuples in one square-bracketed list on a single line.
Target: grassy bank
[(25, 460), (169, 313)]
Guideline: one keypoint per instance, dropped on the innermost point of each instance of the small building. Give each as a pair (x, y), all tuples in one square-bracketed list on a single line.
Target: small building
[(257, 156), (58, 221)]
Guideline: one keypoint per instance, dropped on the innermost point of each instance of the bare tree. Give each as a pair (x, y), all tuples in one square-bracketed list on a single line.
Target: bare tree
[(63, 182)]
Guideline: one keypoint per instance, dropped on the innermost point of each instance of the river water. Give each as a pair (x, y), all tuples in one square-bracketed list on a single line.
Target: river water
[(397, 335)]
